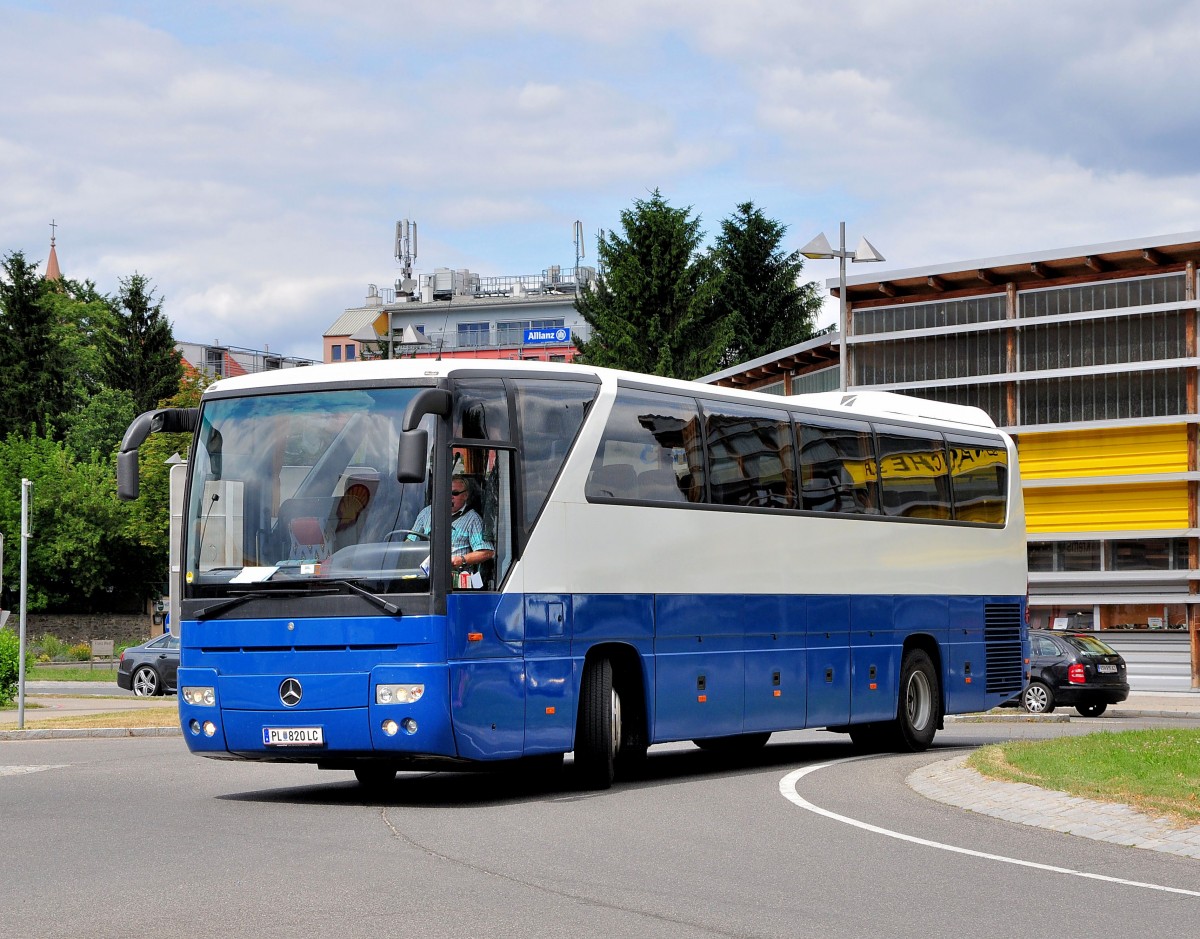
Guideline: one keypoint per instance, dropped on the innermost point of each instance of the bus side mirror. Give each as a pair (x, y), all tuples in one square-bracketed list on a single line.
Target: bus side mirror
[(414, 441), (163, 420), (413, 452)]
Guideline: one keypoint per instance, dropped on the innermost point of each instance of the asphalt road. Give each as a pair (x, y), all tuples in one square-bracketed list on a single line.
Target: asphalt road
[(124, 837)]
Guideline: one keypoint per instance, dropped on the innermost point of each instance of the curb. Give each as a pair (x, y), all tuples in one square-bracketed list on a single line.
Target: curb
[(70, 733)]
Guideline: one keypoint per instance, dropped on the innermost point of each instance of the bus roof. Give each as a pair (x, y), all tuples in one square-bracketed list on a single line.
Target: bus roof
[(880, 404)]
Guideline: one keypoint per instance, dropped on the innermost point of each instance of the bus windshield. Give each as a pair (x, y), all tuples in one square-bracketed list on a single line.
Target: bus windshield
[(302, 486)]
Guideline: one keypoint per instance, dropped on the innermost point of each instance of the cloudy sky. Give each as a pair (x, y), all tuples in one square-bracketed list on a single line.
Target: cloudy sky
[(252, 157)]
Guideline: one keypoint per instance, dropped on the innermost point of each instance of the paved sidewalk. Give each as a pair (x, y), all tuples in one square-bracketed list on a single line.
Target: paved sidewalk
[(44, 707), (951, 782)]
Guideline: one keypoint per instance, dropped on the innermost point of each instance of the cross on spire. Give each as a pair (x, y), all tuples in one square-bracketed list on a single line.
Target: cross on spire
[(53, 226)]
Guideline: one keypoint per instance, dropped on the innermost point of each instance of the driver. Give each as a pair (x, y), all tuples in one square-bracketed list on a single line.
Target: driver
[(469, 546)]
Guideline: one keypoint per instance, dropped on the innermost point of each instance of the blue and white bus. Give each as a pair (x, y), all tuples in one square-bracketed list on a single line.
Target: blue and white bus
[(657, 561)]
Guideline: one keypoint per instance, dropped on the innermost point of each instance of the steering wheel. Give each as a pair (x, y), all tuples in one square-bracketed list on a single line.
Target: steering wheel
[(405, 531)]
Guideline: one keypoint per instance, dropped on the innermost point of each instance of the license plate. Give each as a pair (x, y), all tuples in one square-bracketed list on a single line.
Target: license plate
[(1106, 669), (293, 736)]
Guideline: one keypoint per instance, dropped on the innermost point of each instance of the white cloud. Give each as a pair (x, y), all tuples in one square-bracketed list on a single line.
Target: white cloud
[(252, 157)]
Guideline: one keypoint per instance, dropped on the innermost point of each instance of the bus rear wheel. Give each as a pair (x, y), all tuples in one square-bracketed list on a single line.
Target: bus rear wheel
[(598, 731)]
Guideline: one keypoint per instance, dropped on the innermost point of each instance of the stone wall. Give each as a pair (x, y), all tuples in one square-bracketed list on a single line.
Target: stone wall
[(123, 629)]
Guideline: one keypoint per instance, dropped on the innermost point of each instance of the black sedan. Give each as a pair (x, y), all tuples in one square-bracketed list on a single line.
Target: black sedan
[(150, 669), (1073, 669)]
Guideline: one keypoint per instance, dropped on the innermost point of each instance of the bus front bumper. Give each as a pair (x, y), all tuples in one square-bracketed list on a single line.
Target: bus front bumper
[(266, 717)]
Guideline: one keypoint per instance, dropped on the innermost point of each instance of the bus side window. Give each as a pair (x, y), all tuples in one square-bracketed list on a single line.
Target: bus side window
[(914, 479), (649, 432), (749, 456), (837, 467), (979, 480), (549, 414)]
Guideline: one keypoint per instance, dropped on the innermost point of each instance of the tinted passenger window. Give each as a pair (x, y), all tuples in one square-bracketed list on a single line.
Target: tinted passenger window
[(549, 414), (979, 476), (650, 450), (750, 459), (837, 468), (913, 477)]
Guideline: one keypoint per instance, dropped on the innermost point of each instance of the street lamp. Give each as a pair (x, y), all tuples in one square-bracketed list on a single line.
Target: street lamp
[(819, 249)]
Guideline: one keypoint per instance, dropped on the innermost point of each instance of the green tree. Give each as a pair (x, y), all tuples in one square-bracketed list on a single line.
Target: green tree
[(82, 557), (81, 315), (651, 308), (761, 303), (138, 349), (33, 366), (96, 429)]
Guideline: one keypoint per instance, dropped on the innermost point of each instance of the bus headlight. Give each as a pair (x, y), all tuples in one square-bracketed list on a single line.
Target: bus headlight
[(398, 694), (201, 697)]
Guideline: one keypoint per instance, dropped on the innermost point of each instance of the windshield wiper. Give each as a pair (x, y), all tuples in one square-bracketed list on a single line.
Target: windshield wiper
[(379, 601), (239, 598)]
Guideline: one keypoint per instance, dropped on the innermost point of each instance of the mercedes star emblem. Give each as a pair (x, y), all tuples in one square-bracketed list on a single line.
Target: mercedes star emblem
[(290, 692)]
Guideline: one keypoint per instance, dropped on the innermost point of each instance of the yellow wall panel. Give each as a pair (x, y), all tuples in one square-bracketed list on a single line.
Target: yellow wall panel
[(1106, 508), (1108, 452)]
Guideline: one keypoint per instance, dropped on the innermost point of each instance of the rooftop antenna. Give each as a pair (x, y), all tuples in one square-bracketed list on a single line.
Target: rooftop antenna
[(406, 253), (406, 246)]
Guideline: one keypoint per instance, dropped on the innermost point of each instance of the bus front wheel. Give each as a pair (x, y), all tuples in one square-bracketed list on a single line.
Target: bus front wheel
[(598, 732), (918, 712)]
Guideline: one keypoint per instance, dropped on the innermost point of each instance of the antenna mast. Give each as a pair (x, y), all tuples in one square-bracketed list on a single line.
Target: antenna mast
[(406, 253)]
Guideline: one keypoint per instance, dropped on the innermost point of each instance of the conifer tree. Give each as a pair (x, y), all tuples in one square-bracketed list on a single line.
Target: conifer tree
[(138, 349), (761, 303), (651, 308), (33, 368)]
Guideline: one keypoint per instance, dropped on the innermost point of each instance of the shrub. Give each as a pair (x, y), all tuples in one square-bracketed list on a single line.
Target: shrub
[(10, 664), (51, 647), (80, 652)]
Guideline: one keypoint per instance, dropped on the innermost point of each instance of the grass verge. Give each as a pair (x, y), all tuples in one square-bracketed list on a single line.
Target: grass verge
[(105, 672), (166, 715), (1156, 772)]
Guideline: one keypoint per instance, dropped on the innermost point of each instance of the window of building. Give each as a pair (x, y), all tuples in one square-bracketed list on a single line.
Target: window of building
[(335, 353), (1048, 556), (1104, 295), (888, 319), (1155, 393), (214, 361), (473, 334), (349, 351), (825, 379), (1152, 554)]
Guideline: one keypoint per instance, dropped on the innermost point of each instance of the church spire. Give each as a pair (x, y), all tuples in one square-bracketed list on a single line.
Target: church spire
[(52, 271)]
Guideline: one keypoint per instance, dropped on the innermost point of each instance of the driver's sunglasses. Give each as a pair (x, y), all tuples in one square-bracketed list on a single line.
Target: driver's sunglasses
[(458, 492)]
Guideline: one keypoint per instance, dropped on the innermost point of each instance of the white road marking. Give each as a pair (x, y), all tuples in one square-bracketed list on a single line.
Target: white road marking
[(787, 788), (21, 770)]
